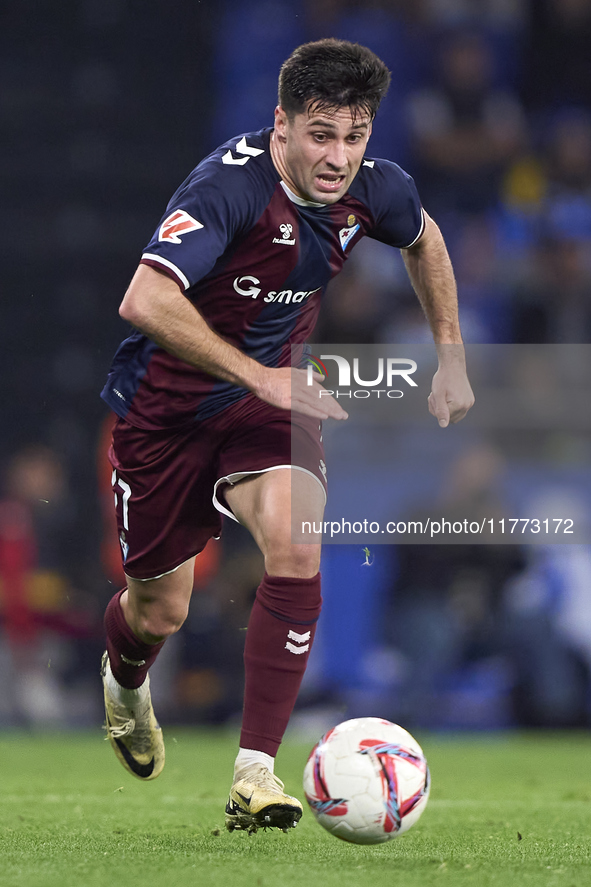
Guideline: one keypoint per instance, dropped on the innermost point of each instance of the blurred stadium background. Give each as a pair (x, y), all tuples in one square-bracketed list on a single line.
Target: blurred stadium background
[(105, 106)]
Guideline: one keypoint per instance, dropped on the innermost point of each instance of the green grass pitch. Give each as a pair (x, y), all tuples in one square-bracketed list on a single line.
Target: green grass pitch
[(504, 810)]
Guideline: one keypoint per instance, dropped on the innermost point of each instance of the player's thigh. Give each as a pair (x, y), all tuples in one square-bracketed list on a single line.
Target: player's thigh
[(273, 506), (158, 607)]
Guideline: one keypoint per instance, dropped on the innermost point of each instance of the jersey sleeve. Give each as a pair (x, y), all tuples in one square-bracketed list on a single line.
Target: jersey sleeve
[(391, 196), (216, 204)]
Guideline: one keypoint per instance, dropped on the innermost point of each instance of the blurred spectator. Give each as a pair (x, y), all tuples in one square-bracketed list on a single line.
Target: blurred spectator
[(38, 603), (557, 60), (549, 622), (569, 156), (551, 673), (554, 183), (465, 130), (554, 304), (485, 309), (547, 199), (506, 14), (446, 609)]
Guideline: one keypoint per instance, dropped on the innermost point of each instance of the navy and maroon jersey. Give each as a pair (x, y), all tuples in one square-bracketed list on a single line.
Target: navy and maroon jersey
[(255, 260)]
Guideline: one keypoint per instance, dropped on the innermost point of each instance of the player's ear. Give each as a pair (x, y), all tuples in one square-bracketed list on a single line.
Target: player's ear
[(280, 121)]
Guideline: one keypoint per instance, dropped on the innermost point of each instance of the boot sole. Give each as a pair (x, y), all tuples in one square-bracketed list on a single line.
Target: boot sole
[(275, 816)]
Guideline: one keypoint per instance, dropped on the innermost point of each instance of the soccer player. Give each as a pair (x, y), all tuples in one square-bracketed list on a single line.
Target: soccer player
[(207, 400)]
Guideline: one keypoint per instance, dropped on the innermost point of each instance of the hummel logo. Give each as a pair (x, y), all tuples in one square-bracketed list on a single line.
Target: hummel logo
[(241, 148), (286, 230), (299, 639)]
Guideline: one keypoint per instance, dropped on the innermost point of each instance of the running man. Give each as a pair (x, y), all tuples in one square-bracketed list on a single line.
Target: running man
[(207, 400)]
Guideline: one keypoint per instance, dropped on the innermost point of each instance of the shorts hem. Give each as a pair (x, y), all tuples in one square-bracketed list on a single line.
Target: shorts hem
[(165, 573), (236, 476)]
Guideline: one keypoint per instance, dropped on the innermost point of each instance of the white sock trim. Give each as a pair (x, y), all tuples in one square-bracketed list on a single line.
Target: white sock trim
[(248, 756), (122, 695)]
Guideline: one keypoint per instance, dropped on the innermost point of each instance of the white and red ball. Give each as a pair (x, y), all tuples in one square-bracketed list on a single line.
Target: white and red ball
[(367, 781)]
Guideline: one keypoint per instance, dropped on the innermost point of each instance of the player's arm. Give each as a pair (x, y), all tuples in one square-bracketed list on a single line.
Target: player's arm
[(155, 305), (431, 274)]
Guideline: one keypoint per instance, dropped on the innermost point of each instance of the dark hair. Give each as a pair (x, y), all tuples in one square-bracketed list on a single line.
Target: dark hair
[(330, 74)]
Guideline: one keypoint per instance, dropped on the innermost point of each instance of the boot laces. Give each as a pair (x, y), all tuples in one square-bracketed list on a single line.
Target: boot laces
[(132, 722), (262, 777)]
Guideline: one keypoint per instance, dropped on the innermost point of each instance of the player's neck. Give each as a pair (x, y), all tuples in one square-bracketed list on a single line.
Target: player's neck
[(278, 158), (277, 149)]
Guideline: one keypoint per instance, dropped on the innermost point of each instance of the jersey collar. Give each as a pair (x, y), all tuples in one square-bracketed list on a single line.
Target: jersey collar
[(298, 200)]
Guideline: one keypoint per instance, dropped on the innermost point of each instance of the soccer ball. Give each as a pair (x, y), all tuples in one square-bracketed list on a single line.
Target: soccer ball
[(367, 781)]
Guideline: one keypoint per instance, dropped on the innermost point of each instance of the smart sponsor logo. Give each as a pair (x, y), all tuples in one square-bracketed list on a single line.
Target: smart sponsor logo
[(250, 286)]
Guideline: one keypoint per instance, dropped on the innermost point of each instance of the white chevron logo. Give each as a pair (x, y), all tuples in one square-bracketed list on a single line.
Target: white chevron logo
[(241, 148), (297, 650), (299, 639)]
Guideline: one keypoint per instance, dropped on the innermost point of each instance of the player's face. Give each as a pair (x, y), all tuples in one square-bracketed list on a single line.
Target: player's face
[(319, 154)]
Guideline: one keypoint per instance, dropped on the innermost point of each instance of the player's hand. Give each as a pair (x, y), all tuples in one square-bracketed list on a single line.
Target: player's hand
[(451, 395), (288, 388)]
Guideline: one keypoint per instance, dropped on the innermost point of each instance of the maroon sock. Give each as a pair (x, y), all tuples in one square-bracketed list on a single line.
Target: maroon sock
[(278, 642), (130, 658)]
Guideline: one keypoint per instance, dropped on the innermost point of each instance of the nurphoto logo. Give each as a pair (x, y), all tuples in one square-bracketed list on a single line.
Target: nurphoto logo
[(389, 370)]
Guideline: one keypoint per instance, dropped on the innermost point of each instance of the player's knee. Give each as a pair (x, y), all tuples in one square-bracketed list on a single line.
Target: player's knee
[(156, 625), (157, 609), (301, 561)]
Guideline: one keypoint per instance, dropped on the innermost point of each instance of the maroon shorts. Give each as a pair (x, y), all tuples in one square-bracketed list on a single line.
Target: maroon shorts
[(166, 483)]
